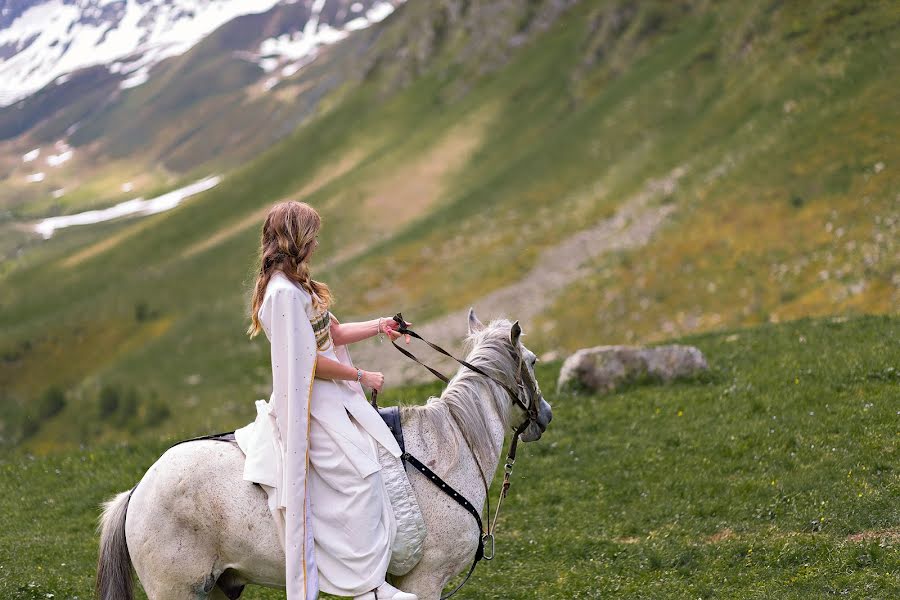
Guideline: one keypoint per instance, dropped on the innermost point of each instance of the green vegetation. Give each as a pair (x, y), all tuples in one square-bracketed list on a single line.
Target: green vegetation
[(440, 190), (774, 476), (454, 158)]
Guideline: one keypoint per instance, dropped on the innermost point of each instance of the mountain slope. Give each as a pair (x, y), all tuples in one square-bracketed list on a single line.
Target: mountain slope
[(237, 90), (755, 132)]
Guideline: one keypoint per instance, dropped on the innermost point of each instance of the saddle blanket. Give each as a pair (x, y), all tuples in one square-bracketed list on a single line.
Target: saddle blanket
[(409, 543)]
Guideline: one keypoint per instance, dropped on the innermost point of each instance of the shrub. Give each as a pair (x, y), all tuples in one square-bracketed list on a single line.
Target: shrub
[(108, 401), (51, 403), (141, 312), (29, 427), (157, 412), (129, 403)]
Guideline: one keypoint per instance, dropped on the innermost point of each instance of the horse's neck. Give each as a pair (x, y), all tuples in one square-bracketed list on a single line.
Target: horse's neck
[(428, 435), (495, 427)]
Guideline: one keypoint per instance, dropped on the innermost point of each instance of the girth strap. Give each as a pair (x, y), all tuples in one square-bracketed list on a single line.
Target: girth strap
[(447, 489), (461, 500)]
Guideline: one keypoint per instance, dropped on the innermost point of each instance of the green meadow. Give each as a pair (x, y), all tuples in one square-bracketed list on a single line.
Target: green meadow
[(774, 475), (766, 132)]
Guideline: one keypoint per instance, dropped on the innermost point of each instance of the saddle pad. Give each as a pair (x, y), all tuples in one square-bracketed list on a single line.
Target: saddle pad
[(409, 543)]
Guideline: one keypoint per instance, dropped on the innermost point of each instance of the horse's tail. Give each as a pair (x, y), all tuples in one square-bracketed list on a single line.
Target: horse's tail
[(114, 578)]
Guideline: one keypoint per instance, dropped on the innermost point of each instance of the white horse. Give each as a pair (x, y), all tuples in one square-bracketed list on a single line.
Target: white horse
[(194, 529)]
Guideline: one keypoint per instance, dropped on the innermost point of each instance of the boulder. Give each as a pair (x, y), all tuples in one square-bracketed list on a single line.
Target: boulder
[(607, 368)]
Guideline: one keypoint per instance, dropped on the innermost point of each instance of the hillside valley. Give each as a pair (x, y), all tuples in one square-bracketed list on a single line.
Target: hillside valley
[(607, 172)]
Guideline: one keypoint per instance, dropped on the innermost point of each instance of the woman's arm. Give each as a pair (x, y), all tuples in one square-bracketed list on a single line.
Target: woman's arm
[(327, 368), (347, 333)]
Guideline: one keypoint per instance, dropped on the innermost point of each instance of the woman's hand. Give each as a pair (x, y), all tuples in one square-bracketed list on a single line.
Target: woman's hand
[(372, 379), (390, 326)]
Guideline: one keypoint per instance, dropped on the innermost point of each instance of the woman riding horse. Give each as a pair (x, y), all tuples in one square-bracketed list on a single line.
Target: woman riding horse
[(312, 446)]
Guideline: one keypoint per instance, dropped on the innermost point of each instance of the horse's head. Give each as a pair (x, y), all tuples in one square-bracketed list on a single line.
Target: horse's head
[(518, 373)]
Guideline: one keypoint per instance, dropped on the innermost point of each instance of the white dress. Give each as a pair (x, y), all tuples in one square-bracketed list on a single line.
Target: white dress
[(312, 449)]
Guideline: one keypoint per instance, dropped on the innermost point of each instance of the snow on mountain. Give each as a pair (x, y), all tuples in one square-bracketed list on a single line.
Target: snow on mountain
[(43, 40), (292, 51)]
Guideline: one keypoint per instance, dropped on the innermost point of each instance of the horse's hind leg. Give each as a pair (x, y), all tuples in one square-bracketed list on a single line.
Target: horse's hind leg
[(218, 594), (226, 588), (183, 591), (183, 579), (229, 584)]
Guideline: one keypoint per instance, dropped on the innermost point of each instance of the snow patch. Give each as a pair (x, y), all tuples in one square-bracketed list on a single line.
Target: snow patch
[(137, 78), (30, 156), (54, 160), (268, 64), (35, 177), (138, 206), (299, 49)]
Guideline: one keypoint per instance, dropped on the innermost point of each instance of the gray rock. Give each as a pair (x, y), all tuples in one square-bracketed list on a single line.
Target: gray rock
[(607, 368)]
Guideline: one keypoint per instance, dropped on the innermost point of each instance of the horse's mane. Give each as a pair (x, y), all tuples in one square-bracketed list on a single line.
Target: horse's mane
[(463, 403)]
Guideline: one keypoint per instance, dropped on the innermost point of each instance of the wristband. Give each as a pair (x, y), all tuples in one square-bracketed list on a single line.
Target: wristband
[(358, 376)]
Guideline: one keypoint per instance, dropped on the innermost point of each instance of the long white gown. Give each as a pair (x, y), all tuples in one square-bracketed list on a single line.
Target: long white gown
[(312, 449)]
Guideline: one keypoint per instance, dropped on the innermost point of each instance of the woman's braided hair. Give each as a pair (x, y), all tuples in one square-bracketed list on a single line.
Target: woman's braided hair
[(288, 235)]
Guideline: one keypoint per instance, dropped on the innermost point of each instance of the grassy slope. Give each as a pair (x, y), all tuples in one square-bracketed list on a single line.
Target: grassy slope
[(583, 108), (745, 483)]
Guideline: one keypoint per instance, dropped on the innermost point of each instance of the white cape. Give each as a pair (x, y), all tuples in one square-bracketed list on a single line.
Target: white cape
[(277, 443)]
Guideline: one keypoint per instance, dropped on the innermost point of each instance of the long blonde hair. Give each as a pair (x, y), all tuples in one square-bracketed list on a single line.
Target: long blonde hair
[(288, 235)]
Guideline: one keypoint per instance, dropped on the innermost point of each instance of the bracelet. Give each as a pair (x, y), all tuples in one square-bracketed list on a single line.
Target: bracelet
[(380, 333), (358, 376)]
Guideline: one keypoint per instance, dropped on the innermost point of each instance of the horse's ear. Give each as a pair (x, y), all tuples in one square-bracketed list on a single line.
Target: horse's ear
[(474, 323), (514, 334)]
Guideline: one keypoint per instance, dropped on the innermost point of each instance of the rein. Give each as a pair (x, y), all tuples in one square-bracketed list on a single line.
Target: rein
[(485, 536)]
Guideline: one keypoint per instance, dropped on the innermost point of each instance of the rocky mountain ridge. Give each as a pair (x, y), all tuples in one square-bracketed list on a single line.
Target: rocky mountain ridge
[(46, 41)]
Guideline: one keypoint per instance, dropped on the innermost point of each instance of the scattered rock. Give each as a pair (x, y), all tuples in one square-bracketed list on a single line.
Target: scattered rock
[(607, 368)]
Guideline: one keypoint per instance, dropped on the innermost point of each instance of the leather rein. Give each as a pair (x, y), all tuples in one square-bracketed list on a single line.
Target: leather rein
[(531, 410)]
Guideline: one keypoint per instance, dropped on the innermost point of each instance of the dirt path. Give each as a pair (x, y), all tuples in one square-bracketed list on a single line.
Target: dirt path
[(526, 300)]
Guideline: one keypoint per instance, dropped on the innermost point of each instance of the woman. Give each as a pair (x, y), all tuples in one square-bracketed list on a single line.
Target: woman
[(312, 446)]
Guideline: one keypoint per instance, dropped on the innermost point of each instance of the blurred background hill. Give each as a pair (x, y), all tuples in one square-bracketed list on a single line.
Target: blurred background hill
[(607, 172)]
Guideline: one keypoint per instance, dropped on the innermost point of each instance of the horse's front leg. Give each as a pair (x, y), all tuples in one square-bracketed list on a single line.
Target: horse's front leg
[(445, 557), (426, 580)]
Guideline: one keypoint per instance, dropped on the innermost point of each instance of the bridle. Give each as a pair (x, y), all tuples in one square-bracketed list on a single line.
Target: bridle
[(525, 386)]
